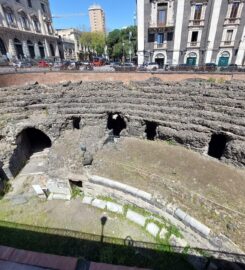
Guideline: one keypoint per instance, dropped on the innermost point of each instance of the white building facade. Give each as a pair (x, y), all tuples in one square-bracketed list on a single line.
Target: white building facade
[(26, 30), (192, 32), (71, 42)]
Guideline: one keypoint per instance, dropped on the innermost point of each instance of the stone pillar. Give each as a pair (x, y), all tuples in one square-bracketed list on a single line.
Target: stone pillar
[(141, 30), (47, 48), (57, 53), (25, 49), (11, 50), (36, 49), (2, 17)]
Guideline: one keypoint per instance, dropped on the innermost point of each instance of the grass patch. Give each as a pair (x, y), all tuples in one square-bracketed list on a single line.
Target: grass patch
[(106, 198), (76, 192)]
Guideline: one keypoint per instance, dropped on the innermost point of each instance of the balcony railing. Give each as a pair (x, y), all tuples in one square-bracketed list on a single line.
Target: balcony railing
[(160, 45), (160, 25), (196, 23), (194, 44), (232, 21), (227, 43)]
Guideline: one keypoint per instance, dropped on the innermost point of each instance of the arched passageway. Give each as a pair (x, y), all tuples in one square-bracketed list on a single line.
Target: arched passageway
[(31, 49), (150, 130), (76, 122), (116, 123), (217, 145), (29, 141)]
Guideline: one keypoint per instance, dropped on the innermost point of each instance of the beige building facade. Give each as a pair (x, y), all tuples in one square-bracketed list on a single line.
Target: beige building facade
[(26, 30), (71, 42), (97, 18)]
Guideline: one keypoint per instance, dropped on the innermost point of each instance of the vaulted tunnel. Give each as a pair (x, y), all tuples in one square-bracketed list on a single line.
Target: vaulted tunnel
[(29, 141), (116, 123), (151, 130), (217, 145)]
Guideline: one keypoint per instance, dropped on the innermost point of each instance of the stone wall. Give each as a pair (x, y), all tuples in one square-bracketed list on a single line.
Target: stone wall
[(187, 112), (57, 77)]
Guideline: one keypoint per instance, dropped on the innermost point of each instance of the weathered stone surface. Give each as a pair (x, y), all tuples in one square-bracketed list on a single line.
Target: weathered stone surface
[(163, 233), (114, 207), (188, 112), (176, 241), (152, 228), (135, 217), (87, 200), (99, 204)]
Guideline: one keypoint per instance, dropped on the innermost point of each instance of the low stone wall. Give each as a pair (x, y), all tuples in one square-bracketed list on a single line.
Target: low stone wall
[(100, 186), (57, 77)]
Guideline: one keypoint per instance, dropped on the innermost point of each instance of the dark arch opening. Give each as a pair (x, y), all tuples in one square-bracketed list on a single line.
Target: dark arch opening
[(217, 145), (29, 141), (52, 49), (151, 130), (2, 47), (116, 123), (76, 122)]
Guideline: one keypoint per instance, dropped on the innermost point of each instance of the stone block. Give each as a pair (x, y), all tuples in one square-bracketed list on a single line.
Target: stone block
[(136, 218), (163, 233), (99, 204), (87, 200), (114, 207), (152, 228)]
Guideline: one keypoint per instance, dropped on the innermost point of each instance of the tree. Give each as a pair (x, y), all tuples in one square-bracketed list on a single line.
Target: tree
[(121, 42), (93, 41)]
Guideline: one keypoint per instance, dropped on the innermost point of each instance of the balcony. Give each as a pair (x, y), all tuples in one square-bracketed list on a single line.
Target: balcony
[(161, 26), (227, 43), (232, 21), (193, 44), (196, 23), (160, 46)]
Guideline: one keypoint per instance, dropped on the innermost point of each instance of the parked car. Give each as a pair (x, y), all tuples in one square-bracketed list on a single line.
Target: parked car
[(98, 62), (44, 64), (125, 67), (25, 63), (152, 66), (210, 67), (230, 68)]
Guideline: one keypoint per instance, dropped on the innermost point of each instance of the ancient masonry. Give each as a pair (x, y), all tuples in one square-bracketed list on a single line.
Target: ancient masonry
[(205, 116)]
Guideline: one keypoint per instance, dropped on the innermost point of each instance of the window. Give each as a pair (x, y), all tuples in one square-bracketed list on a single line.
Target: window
[(229, 35), (160, 38), (151, 37), (198, 12), (9, 16), (43, 7), (194, 36), (170, 36), (234, 10), (50, 29), (36, 24), (29, 3), (162, 13), (24, 20)]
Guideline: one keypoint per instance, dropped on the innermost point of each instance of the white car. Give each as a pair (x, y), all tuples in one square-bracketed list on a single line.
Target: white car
[(152, 66)]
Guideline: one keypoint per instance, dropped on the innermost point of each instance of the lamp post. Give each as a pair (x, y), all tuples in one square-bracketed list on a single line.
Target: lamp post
[(123, 58)]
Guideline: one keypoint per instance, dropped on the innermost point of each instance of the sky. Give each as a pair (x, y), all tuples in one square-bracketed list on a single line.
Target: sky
[(119, 13)]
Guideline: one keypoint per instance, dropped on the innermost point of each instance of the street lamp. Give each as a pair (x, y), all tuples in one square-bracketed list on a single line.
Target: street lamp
[(123, 58)]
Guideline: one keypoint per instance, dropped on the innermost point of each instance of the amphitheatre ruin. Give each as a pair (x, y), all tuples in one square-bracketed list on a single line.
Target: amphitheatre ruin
[(174, 148)]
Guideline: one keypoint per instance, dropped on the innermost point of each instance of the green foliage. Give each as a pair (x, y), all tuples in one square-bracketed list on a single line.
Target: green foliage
[(75, 192), (94, 41), (121, 42), (211, 80)]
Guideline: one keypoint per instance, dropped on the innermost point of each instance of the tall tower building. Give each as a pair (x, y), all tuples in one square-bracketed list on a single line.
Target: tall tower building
[(97, 18)]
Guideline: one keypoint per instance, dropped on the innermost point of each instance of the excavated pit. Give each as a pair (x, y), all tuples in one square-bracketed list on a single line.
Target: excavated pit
[(217, 146)]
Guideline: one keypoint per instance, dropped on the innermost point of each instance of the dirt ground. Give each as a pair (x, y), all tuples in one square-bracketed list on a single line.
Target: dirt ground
[(71, 215), (179, 175)]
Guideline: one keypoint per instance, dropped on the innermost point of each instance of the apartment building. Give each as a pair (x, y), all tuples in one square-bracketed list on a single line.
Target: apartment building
[(26, 30), (70, 39), (192, 32), (97, 18)]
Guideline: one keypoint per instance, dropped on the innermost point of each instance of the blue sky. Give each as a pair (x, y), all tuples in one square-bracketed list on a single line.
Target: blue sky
[(119, 13)]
